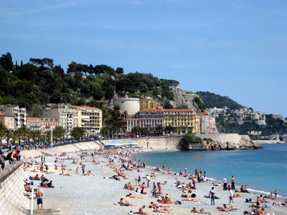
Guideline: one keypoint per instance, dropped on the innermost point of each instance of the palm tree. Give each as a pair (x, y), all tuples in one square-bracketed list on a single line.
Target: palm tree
[(59, 132), (168, 129), (78, 132), (9, 134), (3, 129), (159, 129)]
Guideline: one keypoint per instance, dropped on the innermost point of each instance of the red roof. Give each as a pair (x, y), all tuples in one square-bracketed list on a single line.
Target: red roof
[(86, 107), (178, 110), (151, 110)]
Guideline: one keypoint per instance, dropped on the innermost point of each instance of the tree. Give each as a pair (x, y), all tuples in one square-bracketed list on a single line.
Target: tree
[(168, 129), (167, 105), (78, 132), (159, 129), (3, 130), (183, 106), (119, 70), (59, 132), (189, 139), (6, 61)]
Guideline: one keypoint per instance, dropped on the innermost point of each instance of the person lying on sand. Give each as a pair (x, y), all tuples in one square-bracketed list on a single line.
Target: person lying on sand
[(236, 195), (225, 208), (162, 210), (133, 197), (192, 200), (123, 202), (89, 173), (201, 211)]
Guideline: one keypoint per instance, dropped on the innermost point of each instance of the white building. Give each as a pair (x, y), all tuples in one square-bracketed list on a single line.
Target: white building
[(66, 114), (130, 105), (20, 114)]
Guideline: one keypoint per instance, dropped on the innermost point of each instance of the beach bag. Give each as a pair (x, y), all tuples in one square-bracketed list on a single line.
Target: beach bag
[(246, 200)]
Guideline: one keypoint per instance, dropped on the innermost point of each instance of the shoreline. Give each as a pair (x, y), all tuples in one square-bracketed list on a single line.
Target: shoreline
[(108, 194), (216, 179)]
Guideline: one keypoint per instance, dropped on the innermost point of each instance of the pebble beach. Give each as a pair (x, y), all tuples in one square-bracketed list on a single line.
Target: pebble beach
[(99, 193)]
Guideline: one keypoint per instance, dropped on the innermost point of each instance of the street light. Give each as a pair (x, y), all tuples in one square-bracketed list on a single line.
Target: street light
[(32, 196)]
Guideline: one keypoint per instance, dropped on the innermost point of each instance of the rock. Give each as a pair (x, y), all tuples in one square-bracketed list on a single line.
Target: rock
[(184, 97), (230, 142)]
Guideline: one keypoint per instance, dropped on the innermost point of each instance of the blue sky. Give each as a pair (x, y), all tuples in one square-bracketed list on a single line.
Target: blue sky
[(232, 48)]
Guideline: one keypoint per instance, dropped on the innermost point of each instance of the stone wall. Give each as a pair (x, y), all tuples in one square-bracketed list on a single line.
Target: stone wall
[(12, 200), (169, 142)]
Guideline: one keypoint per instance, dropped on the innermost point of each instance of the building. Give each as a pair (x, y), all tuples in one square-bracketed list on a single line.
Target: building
[(89, 118), (208, 124), (129, 105), (148, 104), (42, 124), (7, 120), (148, 119), (197, 124), (182, 120), (20, 114), (35, 124), (66, 114)]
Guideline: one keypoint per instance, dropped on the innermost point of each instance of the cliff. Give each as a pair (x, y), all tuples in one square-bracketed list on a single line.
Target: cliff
[(229, 142), (182, 97)]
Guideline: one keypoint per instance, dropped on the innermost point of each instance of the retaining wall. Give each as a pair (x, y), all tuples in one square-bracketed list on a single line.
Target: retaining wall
[(12, 200)]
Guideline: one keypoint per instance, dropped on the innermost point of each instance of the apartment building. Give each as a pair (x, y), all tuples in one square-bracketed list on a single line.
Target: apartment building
[(7, 120), (208, 124), (67, 115), (20, 114), (148, 119), (148, 104), (197, 124), (42, 124), (89, 118), (182, 120)]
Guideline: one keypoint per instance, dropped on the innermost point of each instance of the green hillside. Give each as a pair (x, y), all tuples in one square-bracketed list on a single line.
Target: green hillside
[(213, 100)]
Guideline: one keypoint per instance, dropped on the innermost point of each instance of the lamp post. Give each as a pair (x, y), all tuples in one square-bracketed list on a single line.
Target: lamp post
[(32, 197)]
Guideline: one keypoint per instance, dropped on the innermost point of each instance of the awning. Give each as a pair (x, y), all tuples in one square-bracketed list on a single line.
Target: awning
[(116, 144)]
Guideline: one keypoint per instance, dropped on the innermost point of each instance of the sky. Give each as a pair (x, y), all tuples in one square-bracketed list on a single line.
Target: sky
[(232, 48)]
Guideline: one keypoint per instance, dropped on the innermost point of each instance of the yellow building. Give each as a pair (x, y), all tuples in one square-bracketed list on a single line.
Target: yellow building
[(148, 104), (182, 120), (90, 119), (197, 124), (7, 120)]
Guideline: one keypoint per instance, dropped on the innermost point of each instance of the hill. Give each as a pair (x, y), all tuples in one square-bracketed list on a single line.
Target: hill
[(211, 100)]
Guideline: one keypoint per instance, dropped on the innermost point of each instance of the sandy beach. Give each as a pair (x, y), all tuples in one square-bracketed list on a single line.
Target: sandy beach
[(98, 194)]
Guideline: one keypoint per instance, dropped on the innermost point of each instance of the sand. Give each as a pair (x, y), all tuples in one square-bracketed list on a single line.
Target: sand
[(79, 194)]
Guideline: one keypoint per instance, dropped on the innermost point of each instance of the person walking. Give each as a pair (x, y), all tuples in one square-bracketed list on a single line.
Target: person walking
[(233, 183), (212, 196)]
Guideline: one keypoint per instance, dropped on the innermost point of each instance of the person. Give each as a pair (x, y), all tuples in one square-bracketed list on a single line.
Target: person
[(2, 160), (148, 180), (201, 211), (230, 196), (276, 193), (225, 183), (141, 210), (163, 166), (123, 202), (39, 197), (233, 183), (212, 194)]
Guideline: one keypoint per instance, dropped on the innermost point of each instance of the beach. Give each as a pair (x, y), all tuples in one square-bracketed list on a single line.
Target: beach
[(97, 194)]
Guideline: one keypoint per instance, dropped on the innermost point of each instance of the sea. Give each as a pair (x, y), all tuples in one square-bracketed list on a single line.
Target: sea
[(262, 170)]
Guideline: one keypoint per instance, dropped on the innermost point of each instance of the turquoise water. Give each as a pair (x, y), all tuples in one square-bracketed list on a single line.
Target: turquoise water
[(262, 170)]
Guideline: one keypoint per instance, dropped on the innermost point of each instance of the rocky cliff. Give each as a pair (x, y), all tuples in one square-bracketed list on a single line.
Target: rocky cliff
[(182, 97), (229, 142)]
